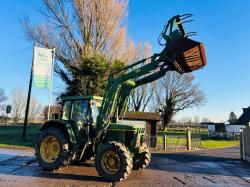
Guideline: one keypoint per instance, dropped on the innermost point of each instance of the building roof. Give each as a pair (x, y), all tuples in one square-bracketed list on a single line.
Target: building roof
[(211, 123), (245, 117), (142, 116)]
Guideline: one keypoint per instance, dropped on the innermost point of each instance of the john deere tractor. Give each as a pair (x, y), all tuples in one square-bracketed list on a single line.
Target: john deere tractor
[(90, 126)]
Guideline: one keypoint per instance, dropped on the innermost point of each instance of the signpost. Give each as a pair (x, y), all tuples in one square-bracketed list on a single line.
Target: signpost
[(40, 75), (8, 110)]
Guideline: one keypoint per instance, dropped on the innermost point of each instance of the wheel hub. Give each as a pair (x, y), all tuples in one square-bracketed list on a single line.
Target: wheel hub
[(110, 162), (49, 149)]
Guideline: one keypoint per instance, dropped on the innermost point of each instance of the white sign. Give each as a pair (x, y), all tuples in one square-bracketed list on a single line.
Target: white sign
[(42, 67)]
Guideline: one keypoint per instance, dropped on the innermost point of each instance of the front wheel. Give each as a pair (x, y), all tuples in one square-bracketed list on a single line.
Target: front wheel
[(52, 149), (142, 160), (114, 162)]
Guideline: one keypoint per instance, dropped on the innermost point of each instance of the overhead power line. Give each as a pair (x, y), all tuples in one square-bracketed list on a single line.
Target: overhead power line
[(15, 53)]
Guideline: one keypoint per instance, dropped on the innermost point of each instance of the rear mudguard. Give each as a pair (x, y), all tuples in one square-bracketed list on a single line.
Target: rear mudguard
[(64, 126)]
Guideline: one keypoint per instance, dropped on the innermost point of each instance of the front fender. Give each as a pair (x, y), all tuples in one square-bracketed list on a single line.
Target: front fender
[(64, 126)]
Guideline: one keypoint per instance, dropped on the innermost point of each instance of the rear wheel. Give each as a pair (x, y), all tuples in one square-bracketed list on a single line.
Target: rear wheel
[(143, 159), (52, 149), (114, 162)]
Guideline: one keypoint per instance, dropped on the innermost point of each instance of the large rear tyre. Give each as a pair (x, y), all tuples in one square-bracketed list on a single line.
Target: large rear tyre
[(143, 159), (52, 149), (114, 162)]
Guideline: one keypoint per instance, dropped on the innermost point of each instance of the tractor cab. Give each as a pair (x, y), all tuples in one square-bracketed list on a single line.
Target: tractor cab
[(81, 109)]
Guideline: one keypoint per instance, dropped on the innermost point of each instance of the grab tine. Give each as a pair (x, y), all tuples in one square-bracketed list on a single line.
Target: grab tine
[(191, 20), (192, 33), (195, 33), (188, 35), (185, 16)]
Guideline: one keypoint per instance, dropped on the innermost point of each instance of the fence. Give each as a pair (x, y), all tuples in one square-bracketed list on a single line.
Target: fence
[(173, 142), (228, 135), (195, 140)]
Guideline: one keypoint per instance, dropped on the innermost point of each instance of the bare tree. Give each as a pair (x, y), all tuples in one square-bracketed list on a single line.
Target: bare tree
[(185, 121), (197, 120), (205, 120), (35, 110), (80, 27), (3, 98), (55, 112), (18, 97), (177, 92), (141, 96), (81, 30)]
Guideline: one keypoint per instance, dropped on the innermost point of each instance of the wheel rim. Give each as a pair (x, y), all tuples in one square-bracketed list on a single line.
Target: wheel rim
[(110, 162), (49, 149)]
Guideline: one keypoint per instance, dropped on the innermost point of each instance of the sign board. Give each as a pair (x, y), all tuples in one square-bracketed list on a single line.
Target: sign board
[(8, 109), (42, 67)]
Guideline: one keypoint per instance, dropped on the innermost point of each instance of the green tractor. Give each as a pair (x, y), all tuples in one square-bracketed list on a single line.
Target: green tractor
[(73, 138), (90, 125)]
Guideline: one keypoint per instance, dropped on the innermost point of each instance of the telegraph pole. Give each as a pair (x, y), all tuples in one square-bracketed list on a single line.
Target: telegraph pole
[(28, 99)]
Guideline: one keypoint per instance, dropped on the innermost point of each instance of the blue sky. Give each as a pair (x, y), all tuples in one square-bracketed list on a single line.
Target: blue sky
[(223, 26)]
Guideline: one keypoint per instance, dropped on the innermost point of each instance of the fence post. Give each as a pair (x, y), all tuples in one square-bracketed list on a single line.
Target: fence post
[(242, 146), (188, 140), (165, 142)]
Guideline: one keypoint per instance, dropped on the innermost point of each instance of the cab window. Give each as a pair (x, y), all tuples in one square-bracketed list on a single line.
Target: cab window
[(95, 111), (79, 111), (66, 110)]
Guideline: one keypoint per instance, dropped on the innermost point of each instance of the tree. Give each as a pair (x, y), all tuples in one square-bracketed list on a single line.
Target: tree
[(232, 117), (34, 110), (3, 98), (55, 111), (90, 78), (205, 120), (176, 92), (89, 37), (18, 97), (141, 96), (185, 121), (197, 120)]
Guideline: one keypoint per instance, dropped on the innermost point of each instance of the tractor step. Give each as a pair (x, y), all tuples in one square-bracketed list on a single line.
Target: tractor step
[(79, 153)]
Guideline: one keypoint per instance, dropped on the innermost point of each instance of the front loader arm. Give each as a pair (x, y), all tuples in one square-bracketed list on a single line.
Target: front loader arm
[(180, 54)]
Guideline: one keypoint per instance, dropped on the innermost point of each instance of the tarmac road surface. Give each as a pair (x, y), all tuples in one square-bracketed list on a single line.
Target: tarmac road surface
[(218, 167)]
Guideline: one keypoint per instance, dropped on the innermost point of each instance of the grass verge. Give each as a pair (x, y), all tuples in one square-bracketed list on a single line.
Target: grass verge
[(212, 144), (11, 136), (206, 142)]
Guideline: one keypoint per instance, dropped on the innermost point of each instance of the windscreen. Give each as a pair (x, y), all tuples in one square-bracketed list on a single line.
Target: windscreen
[(79, 111)]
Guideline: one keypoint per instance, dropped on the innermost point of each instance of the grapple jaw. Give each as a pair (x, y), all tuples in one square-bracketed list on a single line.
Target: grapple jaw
[(188, 55)]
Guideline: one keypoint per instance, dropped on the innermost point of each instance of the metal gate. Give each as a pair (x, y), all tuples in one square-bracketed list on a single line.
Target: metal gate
[(174, 141)]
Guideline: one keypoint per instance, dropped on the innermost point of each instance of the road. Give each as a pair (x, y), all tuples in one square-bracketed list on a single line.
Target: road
[(219, 167)]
